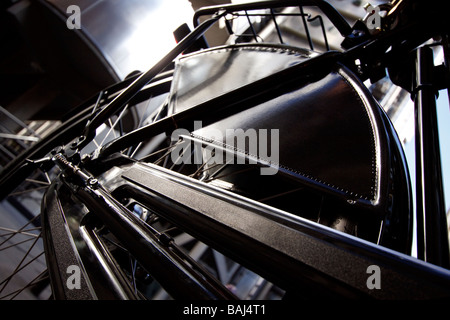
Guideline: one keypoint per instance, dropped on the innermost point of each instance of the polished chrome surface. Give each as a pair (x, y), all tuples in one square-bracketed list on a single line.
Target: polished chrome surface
[(132, 34)]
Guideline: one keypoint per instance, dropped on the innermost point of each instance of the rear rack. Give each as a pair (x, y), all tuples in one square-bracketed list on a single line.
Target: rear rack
[(299, 23)]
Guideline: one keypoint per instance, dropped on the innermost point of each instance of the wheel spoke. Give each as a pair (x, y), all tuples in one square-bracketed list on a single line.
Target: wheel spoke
[(16, 244), (27, 191), (21, 229), (280, 194), (46, 183), (118, 120), (43, 276), (20, 267)]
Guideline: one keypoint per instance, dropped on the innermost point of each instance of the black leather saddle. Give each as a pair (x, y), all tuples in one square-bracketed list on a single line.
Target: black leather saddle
[(333, 135)]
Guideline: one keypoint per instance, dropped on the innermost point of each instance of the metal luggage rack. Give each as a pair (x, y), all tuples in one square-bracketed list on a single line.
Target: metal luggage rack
[(306, 24)]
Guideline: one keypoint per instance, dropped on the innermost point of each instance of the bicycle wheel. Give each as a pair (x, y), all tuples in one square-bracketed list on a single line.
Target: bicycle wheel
[(25, 180)]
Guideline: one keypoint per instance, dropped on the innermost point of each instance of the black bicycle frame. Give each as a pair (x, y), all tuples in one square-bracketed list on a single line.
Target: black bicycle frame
[(429, 280), (432, 233)]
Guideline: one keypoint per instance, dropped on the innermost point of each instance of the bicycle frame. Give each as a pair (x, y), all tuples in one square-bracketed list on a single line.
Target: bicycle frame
[(292, 246), (428, 161)]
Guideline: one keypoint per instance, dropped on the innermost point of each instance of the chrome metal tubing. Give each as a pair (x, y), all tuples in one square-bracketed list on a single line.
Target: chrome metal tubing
[(177, 277)]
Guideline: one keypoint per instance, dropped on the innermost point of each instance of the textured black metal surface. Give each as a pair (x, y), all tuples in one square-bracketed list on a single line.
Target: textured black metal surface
[(69, 243), (60, 251)]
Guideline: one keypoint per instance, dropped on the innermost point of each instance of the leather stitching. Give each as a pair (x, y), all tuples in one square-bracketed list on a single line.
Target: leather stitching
[(315, 179)]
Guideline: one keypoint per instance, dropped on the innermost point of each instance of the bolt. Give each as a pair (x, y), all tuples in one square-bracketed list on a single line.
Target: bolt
[(165, 239), (93, 182)]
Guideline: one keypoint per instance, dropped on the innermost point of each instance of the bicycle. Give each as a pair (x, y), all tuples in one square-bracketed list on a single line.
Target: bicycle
[(143, 172)]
